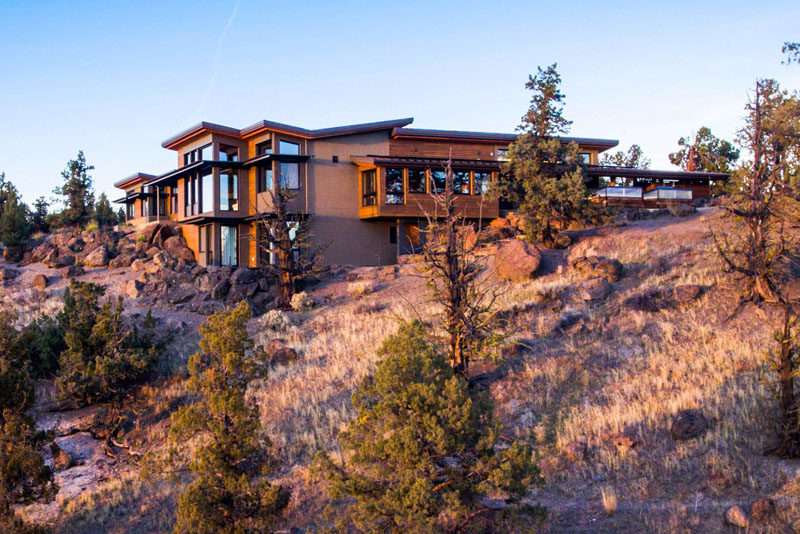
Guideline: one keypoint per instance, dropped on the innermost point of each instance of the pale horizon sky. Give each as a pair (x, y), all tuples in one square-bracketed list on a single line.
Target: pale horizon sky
[(117, 78)]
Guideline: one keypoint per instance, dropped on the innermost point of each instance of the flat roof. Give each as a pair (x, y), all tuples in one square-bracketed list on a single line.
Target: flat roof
[(133, 178), (611, 170), (411, 133)]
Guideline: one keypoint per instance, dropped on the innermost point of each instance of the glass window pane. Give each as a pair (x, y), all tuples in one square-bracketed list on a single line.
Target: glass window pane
[(290, 175), (461, 182), (287, 147), (228, 153), (224, 195), (394, 186), (207, 189), (584, 158), (264, 148), (264, 179), (369, 193), (228, 191), (416, 180), (481, 180), (438, 181), (229, 237), (206, 153)]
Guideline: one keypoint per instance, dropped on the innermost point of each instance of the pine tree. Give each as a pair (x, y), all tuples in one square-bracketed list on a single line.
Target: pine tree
[(15, 229), (542, 175), (230, 492), (633, 158), (39, 215), (423, 450), (103, 212), (78, 192), (705, 152)]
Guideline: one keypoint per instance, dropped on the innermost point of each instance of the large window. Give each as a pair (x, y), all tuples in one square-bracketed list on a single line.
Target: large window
[(264, 181), (481, 181), (191, 197), (416, 180), (130, 213), (204, 238), (290, 175), (228, 153), (228, 191), (461, 182), (394, 186), (207, 192), (204, 153), (369, 188), (229, 240), (287, 147), (438, 181)]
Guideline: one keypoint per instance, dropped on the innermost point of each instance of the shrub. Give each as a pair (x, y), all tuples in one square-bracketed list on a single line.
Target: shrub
[(423, 449), (230, 492), (140, 239), (43, 343), (302, 301), (275, 321), (92, 226), (103, 355), (359, 289)]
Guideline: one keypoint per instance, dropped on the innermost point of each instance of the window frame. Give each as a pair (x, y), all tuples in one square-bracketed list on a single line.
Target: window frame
[(399, 198), (282, 142), (369, 197), (281, 181), (424, 181)]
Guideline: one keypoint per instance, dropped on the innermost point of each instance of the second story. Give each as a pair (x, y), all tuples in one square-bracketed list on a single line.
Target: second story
[(379, 170)]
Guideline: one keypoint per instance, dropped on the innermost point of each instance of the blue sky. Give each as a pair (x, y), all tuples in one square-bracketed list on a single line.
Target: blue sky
[(117, 78)]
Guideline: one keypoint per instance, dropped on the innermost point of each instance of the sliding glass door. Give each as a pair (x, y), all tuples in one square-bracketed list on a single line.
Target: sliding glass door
[(230, 240)]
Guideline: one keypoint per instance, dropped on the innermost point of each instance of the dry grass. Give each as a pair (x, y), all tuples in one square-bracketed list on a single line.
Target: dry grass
[(613, 386)]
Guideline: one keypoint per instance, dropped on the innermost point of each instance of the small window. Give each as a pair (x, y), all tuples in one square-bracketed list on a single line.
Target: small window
[(290, 176), (416, 180), (265, 179), (392, 235), (438, 181), (264, 148), (481, 180), (228, 191), (461, 182), (584, 158), (394, 186), (369, 190), (287, 147), (335, 159), (502, 154)]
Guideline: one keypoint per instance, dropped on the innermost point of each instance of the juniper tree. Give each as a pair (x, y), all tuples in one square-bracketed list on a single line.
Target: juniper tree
[(39, 215), (542, 174), (423, 449), (757, 245), (705, 152), (103, 354), (103, 213), (792, 51), (230, 491), (78, 192), (15, 229), (454, 275)]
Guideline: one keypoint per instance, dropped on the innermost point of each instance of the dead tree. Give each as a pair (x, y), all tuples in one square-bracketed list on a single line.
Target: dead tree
[(455, 276), (287, 236)]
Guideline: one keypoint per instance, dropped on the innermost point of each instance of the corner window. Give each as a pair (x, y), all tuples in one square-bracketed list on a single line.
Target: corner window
[(369, 189), (228, 191), (416, 180), (228, 153), (438, 181), (481, 180), (394, 186), (290, 175), (287, 147), (206, 153), (461, 182), (264, 148)]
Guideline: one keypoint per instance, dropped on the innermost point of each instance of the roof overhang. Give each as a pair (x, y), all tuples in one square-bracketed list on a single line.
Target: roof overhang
[(410, 161), (133, 180), (491, 137), (631, 172), (265, 159), (198, 166)]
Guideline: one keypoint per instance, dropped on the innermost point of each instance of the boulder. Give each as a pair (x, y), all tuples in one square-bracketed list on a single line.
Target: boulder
[(152, 251), (41, 251), (683, 210), (175, 242), (141, 248), (763, 510), (686, 293), (7, 273), (98, 257), (595, 267), (688, 424), (55, 260), (594, 289), (244, 275), (123, 260), (499, 222), (220, 291), (181, 294), (184, 255), (151, 267), (240, 292), (492, 234), (571, 322), (562, 241), (134, 288), (137, 265), (517, 260), (62, 459), (279, 353), (736, 517), (163, 259), (387, 273), (73, 271), (39, 281), (205, 282)]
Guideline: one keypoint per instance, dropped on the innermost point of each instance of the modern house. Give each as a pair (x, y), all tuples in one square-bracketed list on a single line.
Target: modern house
[(366, 187)]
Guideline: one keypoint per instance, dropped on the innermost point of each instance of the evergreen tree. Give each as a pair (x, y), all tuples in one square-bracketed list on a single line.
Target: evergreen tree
[(15, 229), (78, 192), (792, 51), (422, 449), (633, 158), (39, 215), (230, 492), (103, 212), (542, 174), (7, 190), (705, 152), (103, 355)]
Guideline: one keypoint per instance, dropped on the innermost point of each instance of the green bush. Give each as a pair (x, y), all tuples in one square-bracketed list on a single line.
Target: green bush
[(92, 226), (103, 355), (43, 343), (423, 449)]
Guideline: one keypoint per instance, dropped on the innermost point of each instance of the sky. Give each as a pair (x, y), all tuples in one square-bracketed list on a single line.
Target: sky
[(115, 79)]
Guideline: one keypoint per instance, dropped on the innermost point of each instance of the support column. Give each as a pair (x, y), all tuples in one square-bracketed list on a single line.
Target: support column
[(400, 237)]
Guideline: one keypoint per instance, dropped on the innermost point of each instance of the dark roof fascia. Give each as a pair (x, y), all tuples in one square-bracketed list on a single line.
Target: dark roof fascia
[(321, 133), (194, 167), (139, 176), (267, 158), (605, 170), (201, 219), (200, 127), (410, 161), (492, 136)]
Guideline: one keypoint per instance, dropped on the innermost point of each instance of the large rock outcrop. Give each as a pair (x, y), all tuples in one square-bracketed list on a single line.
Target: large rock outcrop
[(517, 260)]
